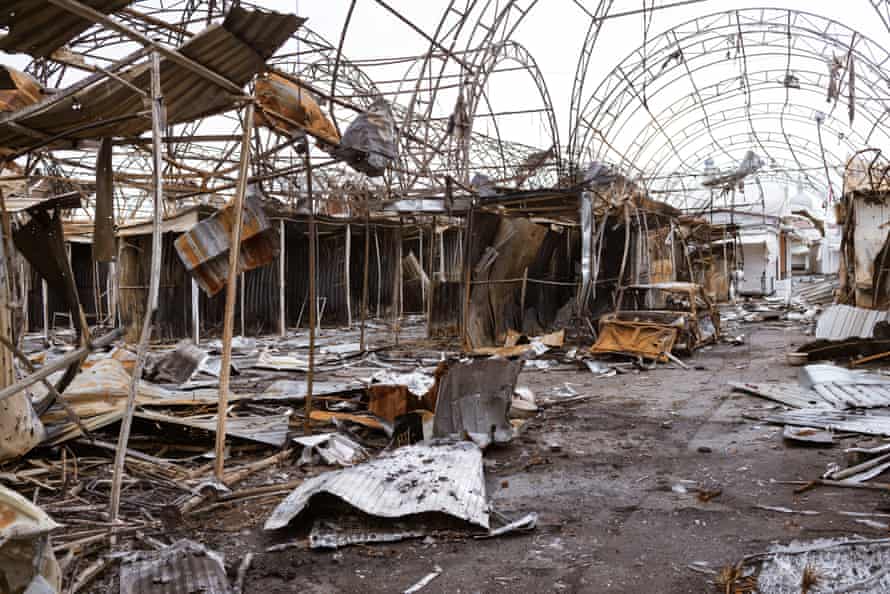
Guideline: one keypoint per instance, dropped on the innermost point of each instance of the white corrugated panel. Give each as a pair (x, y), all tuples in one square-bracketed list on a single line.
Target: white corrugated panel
[(843, 321)]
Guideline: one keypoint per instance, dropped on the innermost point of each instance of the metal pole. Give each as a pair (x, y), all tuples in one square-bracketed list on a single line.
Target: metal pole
[(158, 123), (282, 310), (313, 299), (231, 286), (196, 312), (365, 266), (465, 262), (346, 276), (241, 290)]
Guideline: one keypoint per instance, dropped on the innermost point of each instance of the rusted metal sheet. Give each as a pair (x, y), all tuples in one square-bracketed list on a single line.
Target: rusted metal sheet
[(38, 27), (204, 250), (434, 477), (277, 96), (27, 562), (473, 400), (17, 89), (652, 341), (185, 567), (236, 50)]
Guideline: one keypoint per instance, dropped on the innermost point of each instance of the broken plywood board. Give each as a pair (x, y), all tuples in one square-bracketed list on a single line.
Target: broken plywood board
[(435, 477)]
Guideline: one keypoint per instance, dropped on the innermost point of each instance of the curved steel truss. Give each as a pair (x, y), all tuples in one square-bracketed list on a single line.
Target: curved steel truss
[(670, 108)]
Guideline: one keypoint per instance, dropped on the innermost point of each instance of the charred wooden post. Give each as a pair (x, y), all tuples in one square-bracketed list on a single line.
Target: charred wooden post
[(231, 286)]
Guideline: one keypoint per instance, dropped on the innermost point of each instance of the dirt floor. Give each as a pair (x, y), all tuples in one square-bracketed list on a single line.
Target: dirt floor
[(617, 480)]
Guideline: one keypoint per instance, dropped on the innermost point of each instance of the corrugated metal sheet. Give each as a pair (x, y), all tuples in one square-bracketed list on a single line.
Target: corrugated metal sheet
[(38, 27), (185, 567), (834, 420), (204, 250), (839, 393), (817, 292), (236, 54), (845, 321), (435, 477), (270, 430)]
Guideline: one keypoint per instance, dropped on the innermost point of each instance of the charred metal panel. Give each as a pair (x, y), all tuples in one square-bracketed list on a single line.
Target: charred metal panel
[(473, 400)]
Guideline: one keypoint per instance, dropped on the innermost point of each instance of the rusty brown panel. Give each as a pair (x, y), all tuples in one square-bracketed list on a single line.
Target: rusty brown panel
[(104, 247), (277, 96), (651, 341)]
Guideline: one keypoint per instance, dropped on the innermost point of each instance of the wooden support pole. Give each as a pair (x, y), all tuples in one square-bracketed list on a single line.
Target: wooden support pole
[(365, 266), (282, 310), (231, 287), (158, 123), (313, 298)]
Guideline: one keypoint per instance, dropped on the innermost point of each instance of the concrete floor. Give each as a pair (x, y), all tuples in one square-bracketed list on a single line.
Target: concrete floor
[(603, 474)]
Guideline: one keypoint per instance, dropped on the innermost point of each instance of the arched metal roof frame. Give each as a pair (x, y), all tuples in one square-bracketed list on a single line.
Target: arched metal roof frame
[(617, 92), (614, 106), (694, 130), (743, 140)]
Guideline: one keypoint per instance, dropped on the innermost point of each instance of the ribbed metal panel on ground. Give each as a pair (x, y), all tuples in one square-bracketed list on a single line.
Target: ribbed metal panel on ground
[(437, 477), (843, 321)]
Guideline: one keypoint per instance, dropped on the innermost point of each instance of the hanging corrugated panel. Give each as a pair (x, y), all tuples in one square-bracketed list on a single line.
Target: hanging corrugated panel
[(38, 27)]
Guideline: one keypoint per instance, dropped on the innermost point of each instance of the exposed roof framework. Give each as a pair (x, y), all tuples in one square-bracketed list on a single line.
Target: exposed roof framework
[(669, 107), (431, 90)]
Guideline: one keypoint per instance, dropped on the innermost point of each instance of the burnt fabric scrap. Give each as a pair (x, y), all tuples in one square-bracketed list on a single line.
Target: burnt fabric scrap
[(369, 143), (434, 477)]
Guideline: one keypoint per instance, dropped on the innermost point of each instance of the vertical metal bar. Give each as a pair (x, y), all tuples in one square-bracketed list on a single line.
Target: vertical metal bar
[(241, 291), (231, 281), (313, 298), (44, 294), (158, 123), (465, 263), (282, 310), (420, 261), (365, 266), (196, 312), (522, 300), (398, 288), (346, 276)]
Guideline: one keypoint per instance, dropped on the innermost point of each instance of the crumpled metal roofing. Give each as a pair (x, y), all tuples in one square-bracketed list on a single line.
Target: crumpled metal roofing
[(236, 50), (185, 567), (843, 321), (432, 477), (39, 28)]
